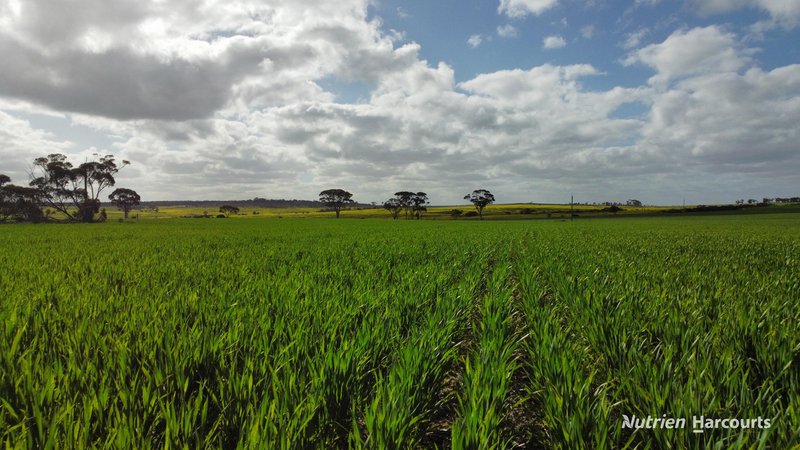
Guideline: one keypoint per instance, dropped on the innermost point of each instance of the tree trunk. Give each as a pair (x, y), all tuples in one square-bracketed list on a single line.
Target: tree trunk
[(87, 215), (337, 213), (87, 210)]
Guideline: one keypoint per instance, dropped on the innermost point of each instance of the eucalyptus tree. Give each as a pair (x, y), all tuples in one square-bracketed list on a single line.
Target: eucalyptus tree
[(413, 203), (19, 203), (480, 198), (419, 204), (336, 199), (394, 206), (74, 191), (125, 199), (228, 210)]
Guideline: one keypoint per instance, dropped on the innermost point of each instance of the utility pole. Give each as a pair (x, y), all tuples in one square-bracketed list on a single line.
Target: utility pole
[(571, 207)]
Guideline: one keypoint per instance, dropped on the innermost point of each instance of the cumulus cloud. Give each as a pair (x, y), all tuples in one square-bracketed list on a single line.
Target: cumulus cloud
[(553, 42), (521, 8), (692, 52), (122, 84), (177, 60), (475, 40), (507, 31), (633, 39), (695, 118), (691, 122), (22, 143), (784, 12)]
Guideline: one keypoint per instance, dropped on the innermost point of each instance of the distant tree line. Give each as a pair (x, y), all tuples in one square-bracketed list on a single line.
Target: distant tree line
[(57, 188), (767, 201), (19, 203), (60, 191), (412, 204)]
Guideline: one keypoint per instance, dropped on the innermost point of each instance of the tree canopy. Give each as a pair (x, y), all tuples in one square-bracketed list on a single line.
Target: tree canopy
[(419, 204), (19, 203), (336, 199), (404, 197), (124, 199), (74, 191), (394, 206), (480, 198), (413, 203), (228, 210)]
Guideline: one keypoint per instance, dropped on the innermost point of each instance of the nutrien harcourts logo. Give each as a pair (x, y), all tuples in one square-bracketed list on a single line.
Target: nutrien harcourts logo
[(699, 423)]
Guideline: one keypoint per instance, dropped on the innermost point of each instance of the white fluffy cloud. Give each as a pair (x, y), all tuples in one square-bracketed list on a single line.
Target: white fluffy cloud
[(22, 143), (633, 39), (177, 60), (553, 42), (785, 12), (475, 40), (521, 8), (507, 31), (692, 52), (724, 119)]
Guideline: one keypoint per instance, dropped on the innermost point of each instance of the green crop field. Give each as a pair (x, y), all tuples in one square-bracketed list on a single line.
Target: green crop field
[(400, 334)]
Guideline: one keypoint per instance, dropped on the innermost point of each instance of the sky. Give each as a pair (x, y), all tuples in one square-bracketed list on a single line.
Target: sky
[(536, 100)]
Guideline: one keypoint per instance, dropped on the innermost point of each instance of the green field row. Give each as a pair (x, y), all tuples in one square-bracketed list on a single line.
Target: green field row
[(399, 334)]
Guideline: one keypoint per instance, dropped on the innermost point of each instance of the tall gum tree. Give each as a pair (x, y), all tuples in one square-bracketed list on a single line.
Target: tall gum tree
[(480, 198), (74, 191), (336, 199), (125, 199)]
